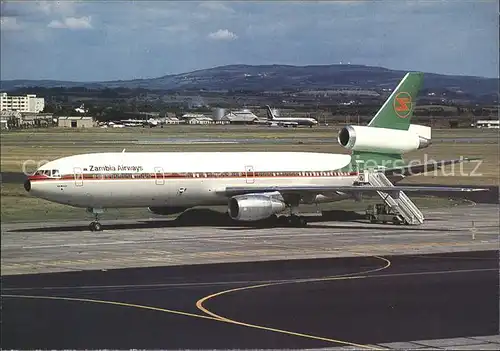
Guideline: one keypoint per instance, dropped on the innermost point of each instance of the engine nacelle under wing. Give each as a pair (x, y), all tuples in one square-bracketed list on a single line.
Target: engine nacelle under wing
[(254, 207), (370, 139)]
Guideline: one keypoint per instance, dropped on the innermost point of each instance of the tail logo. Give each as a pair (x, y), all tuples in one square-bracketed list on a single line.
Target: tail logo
[(402, 104)]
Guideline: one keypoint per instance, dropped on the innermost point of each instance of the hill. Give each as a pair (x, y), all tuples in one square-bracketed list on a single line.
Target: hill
[(281, 77)]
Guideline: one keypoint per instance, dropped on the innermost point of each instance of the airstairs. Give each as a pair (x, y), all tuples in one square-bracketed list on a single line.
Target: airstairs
[(398, 201)]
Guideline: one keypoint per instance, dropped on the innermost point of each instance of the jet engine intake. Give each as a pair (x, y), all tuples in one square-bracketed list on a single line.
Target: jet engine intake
[(254, 207), (383, 140)]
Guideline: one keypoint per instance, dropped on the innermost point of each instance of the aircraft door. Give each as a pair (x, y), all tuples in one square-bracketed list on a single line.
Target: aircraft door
[(249, 174), (78, 174), (159, 176)]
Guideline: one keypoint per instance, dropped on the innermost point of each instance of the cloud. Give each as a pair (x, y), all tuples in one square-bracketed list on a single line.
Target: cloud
[(72, 23), (9, 23), (138, 38), (223, 34)]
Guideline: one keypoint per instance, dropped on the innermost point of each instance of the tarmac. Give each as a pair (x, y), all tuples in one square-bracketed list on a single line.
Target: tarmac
[(55, 247), (349, 285)]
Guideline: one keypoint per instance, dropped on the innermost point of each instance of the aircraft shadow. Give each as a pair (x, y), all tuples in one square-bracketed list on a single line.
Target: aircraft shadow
[(211, 218), (376, 227)]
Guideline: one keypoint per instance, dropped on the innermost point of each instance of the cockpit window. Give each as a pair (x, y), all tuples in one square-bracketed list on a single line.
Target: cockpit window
[(48, 172)]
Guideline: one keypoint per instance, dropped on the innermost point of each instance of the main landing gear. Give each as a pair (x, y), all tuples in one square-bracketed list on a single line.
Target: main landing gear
[(292, 221), (95, 226)]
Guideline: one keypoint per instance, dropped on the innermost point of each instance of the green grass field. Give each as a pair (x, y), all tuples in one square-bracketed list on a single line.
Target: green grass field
[(24, 150)]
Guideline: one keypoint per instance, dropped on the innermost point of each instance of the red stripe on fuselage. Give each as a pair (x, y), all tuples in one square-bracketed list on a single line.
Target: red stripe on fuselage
[(40, 177), (193, 175)]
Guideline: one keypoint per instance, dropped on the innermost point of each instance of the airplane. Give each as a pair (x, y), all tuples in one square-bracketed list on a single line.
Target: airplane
[(151, 122), (112, 124), (253, 185), (81, 109), (133, 122), (289, 121)]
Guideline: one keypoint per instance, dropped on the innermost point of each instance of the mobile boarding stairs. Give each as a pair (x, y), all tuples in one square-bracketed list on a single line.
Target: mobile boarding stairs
[(398, 201)]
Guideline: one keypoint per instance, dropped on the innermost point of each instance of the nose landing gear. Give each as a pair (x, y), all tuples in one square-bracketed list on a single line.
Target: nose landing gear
[(95, 226)]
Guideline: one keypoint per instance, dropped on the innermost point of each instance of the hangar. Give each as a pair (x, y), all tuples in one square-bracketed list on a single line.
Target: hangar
[(75, 122)]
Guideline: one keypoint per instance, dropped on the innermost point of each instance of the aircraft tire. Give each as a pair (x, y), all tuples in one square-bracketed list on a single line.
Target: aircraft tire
[(302, 222), (297, 221), (282, 221), (95, 227)]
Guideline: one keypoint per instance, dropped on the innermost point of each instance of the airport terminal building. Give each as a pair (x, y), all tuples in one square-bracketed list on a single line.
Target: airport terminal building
[(27, 103)]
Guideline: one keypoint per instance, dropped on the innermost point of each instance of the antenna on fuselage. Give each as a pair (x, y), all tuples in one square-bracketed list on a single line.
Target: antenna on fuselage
[(123, 151)]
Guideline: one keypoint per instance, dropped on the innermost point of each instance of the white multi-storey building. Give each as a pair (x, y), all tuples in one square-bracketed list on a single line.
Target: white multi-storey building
[(27, 103)]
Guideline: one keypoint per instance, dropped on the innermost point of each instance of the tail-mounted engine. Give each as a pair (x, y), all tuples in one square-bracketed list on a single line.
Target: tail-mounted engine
[(384, 140)]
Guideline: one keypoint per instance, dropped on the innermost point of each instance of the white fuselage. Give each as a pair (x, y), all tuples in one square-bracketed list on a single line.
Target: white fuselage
[(295, 120), (114, 180)]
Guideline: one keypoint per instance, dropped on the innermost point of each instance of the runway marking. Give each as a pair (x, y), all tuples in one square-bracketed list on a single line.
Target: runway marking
[(159, 285), (158, 309), (224, 320), (200, 302), (116, 303), (215, 317), (260, 283)]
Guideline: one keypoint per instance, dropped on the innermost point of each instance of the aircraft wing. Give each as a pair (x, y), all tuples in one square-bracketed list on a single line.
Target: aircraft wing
[(409, 170), (313, 189)]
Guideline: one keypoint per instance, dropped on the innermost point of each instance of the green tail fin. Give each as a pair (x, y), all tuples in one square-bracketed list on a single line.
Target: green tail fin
[(395, 113), (397, 110)]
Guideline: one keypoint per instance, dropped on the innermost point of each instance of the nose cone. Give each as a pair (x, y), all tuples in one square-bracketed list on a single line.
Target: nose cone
[(27, 185)]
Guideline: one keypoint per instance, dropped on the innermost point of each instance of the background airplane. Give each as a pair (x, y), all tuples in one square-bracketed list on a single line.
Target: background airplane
[(151, 122), (289, 121)]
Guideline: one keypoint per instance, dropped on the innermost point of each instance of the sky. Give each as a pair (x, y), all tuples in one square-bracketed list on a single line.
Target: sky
[(113, 40)]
